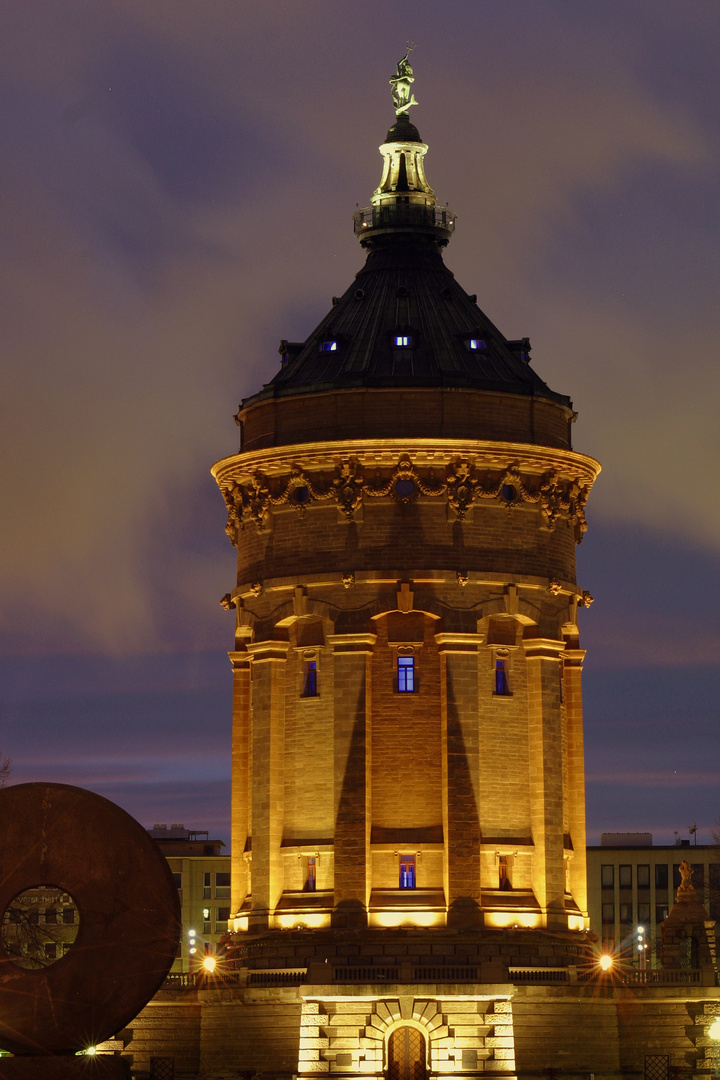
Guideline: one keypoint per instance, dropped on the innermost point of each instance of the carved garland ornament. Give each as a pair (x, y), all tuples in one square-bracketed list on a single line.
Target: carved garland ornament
[(463, 485)]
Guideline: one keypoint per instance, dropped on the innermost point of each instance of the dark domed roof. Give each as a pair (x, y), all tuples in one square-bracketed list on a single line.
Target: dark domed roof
[(405, 291), (405, 321), (403, 131)]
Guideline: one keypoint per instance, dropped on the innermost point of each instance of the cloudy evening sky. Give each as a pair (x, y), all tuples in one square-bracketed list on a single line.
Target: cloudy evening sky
[(176, 194)]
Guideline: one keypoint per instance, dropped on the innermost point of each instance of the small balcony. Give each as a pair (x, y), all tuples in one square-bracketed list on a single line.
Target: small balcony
[(404, 215)]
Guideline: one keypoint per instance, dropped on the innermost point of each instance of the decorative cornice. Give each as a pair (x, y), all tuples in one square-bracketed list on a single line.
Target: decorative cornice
[(556, 481), (352, 643), (543, 648), (268, 650)]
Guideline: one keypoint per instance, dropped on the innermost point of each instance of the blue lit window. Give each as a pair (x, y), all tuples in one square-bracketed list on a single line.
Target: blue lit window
[(328, 346), (402, 341), (406, 674), (407, 871), (311, 684), (501, 678), (476, 344)]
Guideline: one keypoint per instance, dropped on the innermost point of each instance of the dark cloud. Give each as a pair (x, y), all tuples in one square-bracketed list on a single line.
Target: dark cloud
[(177, 186)]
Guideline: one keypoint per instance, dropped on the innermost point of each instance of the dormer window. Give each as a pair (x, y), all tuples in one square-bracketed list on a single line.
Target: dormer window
[(402, 341), (289, 350), (476, 344), (329, 346)]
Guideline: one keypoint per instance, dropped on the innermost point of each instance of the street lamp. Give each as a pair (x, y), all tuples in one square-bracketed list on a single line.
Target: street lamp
[(714, 1034), (641, 948), (606, 962)]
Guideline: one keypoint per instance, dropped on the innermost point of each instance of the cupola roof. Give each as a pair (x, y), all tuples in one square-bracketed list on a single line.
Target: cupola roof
[(405, 321)]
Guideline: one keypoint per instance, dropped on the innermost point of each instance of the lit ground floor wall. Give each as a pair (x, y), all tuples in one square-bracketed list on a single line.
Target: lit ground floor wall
[(505, 1030)]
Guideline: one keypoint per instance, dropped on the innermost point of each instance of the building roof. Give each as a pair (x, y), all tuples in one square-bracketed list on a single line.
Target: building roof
[(405, 290)]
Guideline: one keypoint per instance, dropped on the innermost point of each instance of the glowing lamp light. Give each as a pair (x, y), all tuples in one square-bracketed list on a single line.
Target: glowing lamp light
[(192, 950), (606, 962), (714, 1029), (209, 963)]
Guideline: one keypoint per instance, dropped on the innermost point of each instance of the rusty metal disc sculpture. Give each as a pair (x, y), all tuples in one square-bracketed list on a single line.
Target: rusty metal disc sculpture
[(89, 919)]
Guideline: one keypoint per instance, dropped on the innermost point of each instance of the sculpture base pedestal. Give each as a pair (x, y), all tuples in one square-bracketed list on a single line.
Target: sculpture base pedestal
[(100, 1067)]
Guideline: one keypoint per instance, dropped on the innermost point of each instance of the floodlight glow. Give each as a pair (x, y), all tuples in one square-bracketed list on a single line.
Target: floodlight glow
[(714, 1029), (606, 962), (209, 963)]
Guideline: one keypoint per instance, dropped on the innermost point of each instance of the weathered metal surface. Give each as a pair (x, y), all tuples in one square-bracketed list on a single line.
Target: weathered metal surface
[(53, 834)]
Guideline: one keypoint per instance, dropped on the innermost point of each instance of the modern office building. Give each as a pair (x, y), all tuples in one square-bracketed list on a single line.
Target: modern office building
[(202, 875), (632, 884)]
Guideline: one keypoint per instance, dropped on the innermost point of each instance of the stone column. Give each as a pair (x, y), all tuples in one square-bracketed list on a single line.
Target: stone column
[(573, 659), (546, 776), (461, 817), (268, 776), (240, 794), (352, 764)]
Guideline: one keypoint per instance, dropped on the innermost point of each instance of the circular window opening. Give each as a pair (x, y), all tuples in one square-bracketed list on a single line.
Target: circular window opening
[(404, 488), (301, 494), (39, 925), (508, 493)]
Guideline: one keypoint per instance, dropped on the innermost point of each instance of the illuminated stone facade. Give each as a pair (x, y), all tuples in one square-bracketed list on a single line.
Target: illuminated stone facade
[(409, 893), (397, 510)]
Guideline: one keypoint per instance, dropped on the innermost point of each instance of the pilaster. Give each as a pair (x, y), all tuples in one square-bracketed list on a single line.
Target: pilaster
[(575, 796), (461, 816), (268, 746), (240, 794), (352, 769), (546, 776)]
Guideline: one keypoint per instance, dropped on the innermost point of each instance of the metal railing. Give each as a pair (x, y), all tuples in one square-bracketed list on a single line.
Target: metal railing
[(365, 974), (662, 977), (277, 977), (393, 214), (538, 975), (425, 973)]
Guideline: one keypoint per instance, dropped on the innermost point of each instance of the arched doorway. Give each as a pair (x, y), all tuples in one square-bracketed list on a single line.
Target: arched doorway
[(406, 1054)]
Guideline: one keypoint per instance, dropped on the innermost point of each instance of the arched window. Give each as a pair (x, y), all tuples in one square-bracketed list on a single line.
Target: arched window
[(407, 1054)]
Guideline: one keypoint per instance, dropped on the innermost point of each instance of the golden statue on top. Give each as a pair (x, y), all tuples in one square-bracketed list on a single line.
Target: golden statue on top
[(401, 84)]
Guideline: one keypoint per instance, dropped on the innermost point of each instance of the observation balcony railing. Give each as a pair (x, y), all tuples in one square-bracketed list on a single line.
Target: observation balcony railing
[(399, 215)]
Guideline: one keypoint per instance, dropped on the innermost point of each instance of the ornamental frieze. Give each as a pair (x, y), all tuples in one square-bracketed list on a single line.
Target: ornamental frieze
[(462, 482)]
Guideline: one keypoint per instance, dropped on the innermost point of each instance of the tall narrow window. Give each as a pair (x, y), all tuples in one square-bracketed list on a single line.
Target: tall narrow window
[(607, 876), (503, 873), (406, 674), (407, 871), (310, 875), (502, 686), (311, 681)]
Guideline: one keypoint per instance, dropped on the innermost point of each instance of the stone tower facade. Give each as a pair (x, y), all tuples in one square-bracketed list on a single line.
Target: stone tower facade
[(406, 502), (408, 831)]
